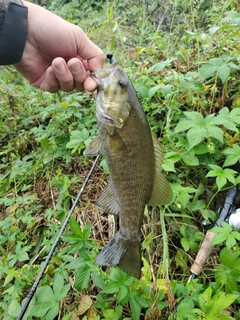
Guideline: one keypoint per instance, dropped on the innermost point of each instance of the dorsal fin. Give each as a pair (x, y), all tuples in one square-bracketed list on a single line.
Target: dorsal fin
[(162, 192)]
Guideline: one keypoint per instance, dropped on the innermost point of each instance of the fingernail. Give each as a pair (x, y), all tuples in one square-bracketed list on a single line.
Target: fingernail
[(75, 67), (60, 67)]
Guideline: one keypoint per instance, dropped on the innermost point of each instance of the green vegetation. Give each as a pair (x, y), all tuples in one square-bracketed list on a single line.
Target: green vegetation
[(183, 58)]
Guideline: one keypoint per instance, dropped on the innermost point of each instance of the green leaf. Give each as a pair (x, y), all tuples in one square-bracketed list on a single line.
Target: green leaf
[(215, 132), (188, 156), (75, 228), (41, 309), (135, 307), (221, 181), (82, 277), (219, 238), (205, 300), (185, 244), (14, 308), (230, 241), (60, 291), (44, 294), (123, 294), (227, 119), (207, 71), (221, 301), (233, 155), (111, 287), (153, 90), (223, 72), (196, 135), (183, 125)]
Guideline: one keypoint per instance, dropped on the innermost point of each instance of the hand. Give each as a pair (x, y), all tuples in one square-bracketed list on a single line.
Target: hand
[(57, 54)]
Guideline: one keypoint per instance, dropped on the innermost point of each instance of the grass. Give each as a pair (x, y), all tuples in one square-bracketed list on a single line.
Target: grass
[(183, 59)]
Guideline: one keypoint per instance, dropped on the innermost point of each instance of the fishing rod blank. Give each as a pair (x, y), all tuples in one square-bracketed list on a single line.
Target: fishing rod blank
[(35, 285)]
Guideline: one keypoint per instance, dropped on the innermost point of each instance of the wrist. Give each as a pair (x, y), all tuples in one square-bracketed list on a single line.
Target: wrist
[(13, 31)]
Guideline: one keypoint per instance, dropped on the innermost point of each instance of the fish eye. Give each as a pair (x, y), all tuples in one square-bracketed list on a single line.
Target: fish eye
[(122, 84)]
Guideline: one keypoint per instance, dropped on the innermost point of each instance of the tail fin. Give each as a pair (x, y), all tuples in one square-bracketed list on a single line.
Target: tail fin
[(123, 253)]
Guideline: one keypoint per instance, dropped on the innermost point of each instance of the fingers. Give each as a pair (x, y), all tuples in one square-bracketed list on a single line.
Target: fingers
[(67, 76), (78, 72), (71, 75), (63, 74), (57, 76)]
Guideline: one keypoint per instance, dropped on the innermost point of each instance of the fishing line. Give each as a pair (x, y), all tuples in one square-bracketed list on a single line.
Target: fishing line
[(35, 285)]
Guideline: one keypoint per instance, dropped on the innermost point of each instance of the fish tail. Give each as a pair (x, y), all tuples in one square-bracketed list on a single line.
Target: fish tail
[(123, 253)]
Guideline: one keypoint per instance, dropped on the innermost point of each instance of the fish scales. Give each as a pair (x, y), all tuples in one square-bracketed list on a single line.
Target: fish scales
[(126, 141)]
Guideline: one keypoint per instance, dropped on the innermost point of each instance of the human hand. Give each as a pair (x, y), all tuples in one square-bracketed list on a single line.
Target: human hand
[(57, 54)]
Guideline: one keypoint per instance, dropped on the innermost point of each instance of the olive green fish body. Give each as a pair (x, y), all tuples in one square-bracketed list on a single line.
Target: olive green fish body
[(125, 140)]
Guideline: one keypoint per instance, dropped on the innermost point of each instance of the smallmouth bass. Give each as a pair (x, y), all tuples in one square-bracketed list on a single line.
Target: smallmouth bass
[(134, 159)]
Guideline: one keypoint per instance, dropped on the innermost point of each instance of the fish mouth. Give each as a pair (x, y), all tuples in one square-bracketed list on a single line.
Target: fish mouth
[(105, 73), (94, 75)]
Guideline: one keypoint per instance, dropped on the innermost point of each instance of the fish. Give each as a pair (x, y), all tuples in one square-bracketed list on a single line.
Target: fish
[(134, 158)]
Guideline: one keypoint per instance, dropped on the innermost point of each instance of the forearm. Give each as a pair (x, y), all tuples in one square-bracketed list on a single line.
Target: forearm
[(13, 30)]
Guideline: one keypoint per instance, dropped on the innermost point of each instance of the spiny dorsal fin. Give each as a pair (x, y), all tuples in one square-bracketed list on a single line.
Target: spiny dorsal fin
[(107, 201), (162, 192), (94, 148)]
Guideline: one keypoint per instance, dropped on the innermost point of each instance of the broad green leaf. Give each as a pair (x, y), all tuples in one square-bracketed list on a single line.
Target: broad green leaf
[(230, 241), (82, 277), (227, 119), (111, 287), (223, 72), (236, 235), (14, 308), (195, 116), (189, 157), (142, 89), (196, 135), (215, 132), (53, 312), (207, 71), (183, 125), (185, 244), (233, 155), (135, 307), (221, 301), (58, 283), (153, 90), (123, 293), (217, 62), (44, 294), (221, 181), (41, 309), (205, 299), (219, 238)]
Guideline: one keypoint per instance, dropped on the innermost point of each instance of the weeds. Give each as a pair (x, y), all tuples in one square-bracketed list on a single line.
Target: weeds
[(183, 59)]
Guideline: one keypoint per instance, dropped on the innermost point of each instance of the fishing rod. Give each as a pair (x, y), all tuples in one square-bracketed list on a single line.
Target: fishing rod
[(227, 213), (35, 285)]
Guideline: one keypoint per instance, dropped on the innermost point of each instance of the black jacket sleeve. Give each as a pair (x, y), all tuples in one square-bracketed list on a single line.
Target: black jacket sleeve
[(13, 30)]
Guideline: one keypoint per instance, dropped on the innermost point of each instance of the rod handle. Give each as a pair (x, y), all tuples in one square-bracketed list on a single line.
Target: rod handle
[(203, 253)]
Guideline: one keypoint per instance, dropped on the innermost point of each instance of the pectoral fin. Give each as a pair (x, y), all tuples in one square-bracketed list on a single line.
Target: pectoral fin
[(162, 193), (94, 148), (107, 201)]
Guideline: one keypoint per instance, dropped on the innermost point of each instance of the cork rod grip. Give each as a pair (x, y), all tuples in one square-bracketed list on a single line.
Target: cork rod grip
[(203, 253)]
